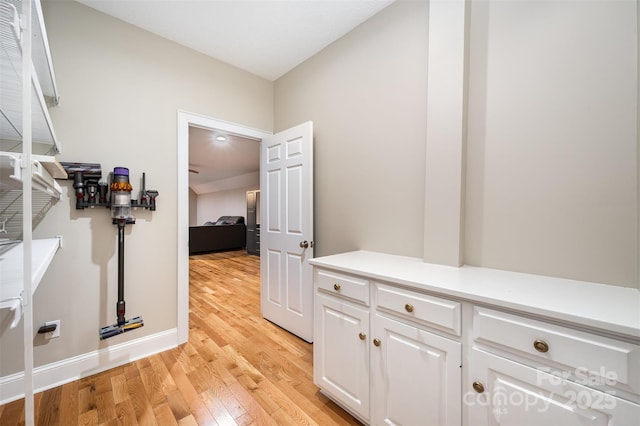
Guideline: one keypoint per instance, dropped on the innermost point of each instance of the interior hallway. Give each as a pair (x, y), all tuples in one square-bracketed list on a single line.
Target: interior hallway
[(236, 369)]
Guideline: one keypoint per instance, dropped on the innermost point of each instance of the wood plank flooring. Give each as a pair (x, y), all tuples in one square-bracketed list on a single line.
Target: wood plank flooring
[(236, 369)]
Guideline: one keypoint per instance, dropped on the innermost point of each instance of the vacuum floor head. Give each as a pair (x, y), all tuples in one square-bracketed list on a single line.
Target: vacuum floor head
[(115, 329)]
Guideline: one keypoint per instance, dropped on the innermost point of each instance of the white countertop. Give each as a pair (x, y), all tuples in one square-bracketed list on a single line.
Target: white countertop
[(609, 308), (11, 276)]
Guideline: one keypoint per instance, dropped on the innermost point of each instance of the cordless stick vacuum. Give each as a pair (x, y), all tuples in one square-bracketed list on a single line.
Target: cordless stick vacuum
[(90, 193), (121, 215)]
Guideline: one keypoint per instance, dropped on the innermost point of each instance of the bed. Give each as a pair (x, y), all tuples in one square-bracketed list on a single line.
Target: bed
[(226, 233)]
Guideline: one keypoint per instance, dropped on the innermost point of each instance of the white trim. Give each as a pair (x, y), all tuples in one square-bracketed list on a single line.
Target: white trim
[(186, 119), (446, 132), (70, 369)]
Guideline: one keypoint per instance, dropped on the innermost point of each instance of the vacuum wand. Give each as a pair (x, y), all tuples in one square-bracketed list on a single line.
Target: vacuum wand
[(120, 305), (122, 325)]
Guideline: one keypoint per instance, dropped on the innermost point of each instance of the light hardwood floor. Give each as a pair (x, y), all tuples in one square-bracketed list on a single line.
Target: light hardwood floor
[(237, 368)]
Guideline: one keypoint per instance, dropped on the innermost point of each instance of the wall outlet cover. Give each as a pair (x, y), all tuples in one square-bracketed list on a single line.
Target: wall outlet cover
[(54, 333)]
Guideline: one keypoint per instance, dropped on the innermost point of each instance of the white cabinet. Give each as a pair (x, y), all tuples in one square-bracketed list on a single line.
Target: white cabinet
[(415, 375), (383, 362), (524, 371), (473, 346), (341, 352), (505, 392), (341, 333)]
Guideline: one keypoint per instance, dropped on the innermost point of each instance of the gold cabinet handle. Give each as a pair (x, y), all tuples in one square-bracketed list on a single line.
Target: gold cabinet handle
[(336, 287), (408, 307), (478, 387), (362, 336), (377, 342), (541, 345)]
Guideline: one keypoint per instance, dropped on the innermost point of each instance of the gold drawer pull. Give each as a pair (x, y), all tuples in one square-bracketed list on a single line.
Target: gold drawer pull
[(541, 345), (408, 307), (377, 342), (362, 336), (478, 387), (336, 287)]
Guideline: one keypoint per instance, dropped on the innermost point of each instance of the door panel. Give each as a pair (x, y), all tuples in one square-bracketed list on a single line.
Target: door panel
[(294, 283), (272, 292), (286, 276), (341, 352), (416, 374), (294, 192), (273, 201)]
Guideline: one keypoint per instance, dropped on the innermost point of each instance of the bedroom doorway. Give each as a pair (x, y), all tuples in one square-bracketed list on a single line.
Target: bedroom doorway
[(187, 121)]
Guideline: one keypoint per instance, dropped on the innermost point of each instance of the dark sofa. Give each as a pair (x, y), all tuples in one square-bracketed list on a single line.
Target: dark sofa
[(227, 233)]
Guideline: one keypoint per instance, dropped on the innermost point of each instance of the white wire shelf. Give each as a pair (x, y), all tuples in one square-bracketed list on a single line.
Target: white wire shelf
[(11, 264), (43, 81)]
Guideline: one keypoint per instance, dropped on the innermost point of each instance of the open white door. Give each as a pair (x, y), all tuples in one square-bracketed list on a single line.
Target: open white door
[(286, 230)]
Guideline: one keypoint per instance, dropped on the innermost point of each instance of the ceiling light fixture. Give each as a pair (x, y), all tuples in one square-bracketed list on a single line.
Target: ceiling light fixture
[(221, 138)]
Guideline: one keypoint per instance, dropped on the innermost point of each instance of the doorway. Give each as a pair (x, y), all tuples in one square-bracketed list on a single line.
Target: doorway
[(186, 120)]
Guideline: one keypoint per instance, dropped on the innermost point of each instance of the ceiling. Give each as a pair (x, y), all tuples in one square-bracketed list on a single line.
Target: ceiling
[(267, 38), (216, 165)]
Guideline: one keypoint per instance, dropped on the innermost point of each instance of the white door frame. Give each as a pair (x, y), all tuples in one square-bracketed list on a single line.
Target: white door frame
[(186, 119)]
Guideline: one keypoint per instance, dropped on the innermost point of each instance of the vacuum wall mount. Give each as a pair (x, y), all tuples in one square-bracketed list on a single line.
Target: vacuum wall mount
[(116, 195)]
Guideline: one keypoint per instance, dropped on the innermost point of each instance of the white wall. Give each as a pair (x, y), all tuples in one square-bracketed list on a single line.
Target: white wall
[(224, 203), (121, 88)]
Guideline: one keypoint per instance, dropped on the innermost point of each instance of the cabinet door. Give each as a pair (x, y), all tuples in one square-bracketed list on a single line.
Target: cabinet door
[(416, 376), (341, 352), (504, 392)]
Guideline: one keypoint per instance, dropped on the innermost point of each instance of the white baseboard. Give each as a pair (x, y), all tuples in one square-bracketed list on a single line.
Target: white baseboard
[(70, 369)]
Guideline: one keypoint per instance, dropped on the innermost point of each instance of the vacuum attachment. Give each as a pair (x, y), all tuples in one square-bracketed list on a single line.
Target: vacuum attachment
[(115, 329)]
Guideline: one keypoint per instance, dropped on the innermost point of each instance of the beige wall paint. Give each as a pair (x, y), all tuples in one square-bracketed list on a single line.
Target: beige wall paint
[(121, 88), (552, 139), (366, 95), (551, 173)]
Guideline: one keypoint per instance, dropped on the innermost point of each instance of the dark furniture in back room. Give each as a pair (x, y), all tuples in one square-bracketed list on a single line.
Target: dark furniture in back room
[(227, 233), (253, 222)]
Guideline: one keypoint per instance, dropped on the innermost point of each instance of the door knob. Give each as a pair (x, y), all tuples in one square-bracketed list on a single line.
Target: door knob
[(304, 244)]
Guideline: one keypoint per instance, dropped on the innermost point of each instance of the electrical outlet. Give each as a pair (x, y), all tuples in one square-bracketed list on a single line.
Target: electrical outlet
[(54, 333)]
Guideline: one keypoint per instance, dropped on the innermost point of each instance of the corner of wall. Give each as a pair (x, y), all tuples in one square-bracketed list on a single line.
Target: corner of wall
[(638, 139)]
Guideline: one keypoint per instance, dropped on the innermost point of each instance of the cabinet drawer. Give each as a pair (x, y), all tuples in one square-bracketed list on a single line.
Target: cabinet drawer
[(435, 312), (588, 358), (343, 285)]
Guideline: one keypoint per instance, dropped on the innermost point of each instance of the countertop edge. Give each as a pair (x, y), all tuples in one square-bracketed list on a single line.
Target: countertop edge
[(605, 307)]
